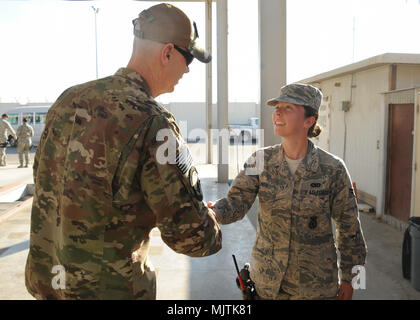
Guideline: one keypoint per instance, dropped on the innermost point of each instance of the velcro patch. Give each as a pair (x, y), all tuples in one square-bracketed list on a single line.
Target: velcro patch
[(184, 159)]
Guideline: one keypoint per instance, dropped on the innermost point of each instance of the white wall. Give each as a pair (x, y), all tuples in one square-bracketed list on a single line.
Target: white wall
[(408, 76), (4, 107), (365, 124), (194, 113)]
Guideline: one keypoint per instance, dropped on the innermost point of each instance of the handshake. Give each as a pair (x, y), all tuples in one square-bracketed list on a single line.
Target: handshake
[(210, 205)]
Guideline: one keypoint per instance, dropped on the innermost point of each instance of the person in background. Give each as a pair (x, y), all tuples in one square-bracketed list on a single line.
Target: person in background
[(24, 134), (5, 129)]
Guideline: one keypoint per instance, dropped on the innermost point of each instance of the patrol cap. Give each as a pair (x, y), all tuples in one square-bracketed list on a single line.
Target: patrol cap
[(166, 23), (299, 93)]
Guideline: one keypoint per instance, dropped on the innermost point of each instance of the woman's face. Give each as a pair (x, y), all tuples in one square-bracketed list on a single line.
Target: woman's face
[(289, 120)]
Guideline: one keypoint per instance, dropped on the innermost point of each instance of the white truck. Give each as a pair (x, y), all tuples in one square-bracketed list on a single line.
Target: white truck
[(245, 132)]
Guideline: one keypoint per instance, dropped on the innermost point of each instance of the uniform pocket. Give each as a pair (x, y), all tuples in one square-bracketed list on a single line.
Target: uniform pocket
[(318, 271), (264, 271), (314, 227), (314, 203), (263, 247)]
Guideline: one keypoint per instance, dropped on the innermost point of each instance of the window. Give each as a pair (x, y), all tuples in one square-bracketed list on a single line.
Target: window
[(13, 118), (29, 117), (40, 117)]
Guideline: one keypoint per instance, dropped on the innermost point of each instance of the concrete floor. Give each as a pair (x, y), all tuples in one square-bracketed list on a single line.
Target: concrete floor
[(210, 278)]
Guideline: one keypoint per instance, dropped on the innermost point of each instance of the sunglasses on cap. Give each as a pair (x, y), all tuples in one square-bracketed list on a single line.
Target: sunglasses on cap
[(187, 55)]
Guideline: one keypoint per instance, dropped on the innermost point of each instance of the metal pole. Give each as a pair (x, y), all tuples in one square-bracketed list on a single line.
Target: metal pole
[(209, 85), (95, 11), (222, 91)]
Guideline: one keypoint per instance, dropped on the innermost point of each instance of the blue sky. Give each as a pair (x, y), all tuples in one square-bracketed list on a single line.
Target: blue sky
[(47, 46)]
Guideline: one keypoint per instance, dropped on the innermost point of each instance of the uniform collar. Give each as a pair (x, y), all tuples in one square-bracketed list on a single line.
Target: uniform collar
[(133, 76), (312, 157), (311, 160)]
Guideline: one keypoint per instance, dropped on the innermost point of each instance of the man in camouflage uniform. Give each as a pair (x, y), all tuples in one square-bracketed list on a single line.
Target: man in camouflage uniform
[(5, 129), (294, 256), (101, 179), (24, 134)]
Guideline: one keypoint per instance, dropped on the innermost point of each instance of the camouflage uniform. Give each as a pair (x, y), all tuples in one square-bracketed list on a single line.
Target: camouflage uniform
[(24, 134), (294, 256), (100, 189), (4, 128)]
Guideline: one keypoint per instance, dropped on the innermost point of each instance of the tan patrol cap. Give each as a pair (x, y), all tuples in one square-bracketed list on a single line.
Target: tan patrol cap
[(166, 23)]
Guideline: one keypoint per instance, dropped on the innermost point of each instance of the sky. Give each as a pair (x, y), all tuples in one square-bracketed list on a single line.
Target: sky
[(47, 46)]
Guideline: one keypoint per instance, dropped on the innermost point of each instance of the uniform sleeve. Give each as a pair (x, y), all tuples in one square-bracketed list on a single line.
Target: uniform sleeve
[(38, 152), (172, 191), (44, 135), (9, 127), (18, 132), (32, 131), (240, 197), (345, 214)]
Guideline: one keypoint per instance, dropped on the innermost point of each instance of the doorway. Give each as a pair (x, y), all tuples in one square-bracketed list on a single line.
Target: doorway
[(399, 160)]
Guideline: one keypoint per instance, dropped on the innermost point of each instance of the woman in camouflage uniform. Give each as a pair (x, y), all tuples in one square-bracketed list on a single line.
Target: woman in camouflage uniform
[(301, 190)]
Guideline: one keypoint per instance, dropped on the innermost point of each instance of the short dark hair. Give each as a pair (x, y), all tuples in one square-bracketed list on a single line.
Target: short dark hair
[(315, 130), (4, 115), (25, 120)]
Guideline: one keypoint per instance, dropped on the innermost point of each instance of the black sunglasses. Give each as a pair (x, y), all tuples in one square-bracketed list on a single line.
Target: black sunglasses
[(187, 55)]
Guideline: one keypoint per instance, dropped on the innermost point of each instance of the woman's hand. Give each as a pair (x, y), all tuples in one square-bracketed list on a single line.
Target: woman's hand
[(346, 291)]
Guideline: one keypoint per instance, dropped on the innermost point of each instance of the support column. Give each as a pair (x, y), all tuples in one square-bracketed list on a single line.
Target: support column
[(222, 91), (272, 53), (209, 84)]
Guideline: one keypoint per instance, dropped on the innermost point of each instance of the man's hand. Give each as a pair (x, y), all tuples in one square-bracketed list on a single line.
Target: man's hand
[(346, 291), (210, 204)]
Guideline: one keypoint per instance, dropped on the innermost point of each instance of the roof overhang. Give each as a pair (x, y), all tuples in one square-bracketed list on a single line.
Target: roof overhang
[(377, 61)]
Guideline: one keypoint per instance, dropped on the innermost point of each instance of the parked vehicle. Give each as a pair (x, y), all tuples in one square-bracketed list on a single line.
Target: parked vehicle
[(245, 132), (36, 118)]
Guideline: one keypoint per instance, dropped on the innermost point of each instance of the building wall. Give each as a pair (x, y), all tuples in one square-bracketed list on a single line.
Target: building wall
[(365, 122), (408, 76), (6, 106), (192, 115)]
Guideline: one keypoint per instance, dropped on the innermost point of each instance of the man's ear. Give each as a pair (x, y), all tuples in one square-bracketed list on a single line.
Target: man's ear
[(166, 53)]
